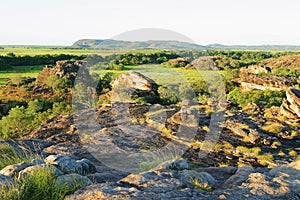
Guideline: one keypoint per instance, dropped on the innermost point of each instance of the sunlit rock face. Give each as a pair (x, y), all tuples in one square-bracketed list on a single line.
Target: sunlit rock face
[(252, 77), (64, 69), (132, 85), (291, 105)]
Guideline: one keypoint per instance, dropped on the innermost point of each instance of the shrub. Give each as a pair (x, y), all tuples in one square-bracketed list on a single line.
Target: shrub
[(293, 153), (16, 123), (21, 121), (167, 96), (263, 159), (140, 100), (272, 128), (202, 99), (57, 83), (104, 82), (203, 186), (263, 98)]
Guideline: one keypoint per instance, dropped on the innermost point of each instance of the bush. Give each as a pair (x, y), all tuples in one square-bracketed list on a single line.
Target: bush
[(21, 121), (140, 100), (16, 123), (167, 96), (272, 128), (104, 82), (263, 98), (56, 83)]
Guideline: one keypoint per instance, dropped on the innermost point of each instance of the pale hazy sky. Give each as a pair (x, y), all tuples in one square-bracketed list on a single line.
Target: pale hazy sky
[(62, 22)]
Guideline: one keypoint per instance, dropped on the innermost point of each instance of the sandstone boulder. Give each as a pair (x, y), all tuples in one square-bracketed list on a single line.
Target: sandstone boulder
[(256, 69), (12, 170), (68, 165), (239, 177), (291, 105), (254, 81), (33, 169), (132, 85)]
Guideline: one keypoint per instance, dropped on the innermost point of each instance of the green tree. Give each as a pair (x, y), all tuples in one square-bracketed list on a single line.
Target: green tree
[(17, 123)]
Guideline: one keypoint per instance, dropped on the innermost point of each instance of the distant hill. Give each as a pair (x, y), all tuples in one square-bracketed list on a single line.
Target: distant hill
[(118, 44), (254, 47), (155, 44)]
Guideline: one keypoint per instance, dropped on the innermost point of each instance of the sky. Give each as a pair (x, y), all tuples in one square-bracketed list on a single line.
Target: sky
[(230, 22)]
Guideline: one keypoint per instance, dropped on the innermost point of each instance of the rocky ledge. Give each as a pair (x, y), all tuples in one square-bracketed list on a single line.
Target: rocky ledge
[(291, 105)]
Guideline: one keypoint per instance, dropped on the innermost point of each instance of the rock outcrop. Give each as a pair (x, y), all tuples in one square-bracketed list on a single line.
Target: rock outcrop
[(255, 69), (291, 105), (252, 77), (205, 63), (63, 69), (67, 170), (132, 85), (255, 81), (279, 183)]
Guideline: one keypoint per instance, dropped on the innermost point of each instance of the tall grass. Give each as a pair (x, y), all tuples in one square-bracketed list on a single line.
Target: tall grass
[(9, 156), (40, 185)]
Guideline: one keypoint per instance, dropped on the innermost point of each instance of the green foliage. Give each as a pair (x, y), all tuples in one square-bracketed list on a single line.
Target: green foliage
[(264, 98), (115, 65), (283, 72), (140, 59), (202, 99), (59, 108), (14, 60), (21, 121), (140, 100), (38, 185), (16, 123), (104, 82), (39, 105), (272, 127), (201, 185), (57, 83), (167, 96)]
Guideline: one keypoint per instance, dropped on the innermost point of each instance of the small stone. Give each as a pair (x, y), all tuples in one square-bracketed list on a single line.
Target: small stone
[(31, 170), (181, 164), (12, 170)]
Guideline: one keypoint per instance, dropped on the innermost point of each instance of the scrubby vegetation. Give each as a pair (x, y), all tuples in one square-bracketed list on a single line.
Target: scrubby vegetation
[(21, 120), (264, 98), (38, 185), (139, 59), (13, 60), (9, 156)]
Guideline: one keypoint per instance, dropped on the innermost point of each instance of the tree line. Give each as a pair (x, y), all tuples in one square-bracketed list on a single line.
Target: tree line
[(13, 60)]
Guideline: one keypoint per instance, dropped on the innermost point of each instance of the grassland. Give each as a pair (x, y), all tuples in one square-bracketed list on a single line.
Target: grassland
[(166, 75), (20, 71), (33, 51)]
